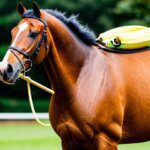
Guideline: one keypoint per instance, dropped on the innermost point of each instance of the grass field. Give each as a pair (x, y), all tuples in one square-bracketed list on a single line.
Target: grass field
[(31, 136)]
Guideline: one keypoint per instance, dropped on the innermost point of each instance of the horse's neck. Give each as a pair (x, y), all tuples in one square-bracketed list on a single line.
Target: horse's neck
[(66, 57)]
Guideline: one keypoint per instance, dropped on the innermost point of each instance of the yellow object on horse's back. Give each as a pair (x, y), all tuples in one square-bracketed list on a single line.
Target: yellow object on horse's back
[(127, 37)]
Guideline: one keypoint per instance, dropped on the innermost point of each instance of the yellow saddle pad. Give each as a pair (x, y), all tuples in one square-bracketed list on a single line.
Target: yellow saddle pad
[(126, 37)]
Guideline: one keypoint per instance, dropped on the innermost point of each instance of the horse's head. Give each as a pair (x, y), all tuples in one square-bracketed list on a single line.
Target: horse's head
[(29, 44)]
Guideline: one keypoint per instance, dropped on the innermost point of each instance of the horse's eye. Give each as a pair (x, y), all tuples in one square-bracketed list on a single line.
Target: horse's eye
[(33, 34)]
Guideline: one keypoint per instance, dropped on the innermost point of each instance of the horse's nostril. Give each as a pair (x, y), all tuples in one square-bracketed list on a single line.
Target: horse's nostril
[(9, 68)]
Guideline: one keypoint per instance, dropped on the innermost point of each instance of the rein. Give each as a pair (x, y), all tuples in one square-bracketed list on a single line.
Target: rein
[(29, 82)]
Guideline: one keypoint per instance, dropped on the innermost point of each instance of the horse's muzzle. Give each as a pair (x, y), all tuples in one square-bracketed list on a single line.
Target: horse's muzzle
[(8, 74)]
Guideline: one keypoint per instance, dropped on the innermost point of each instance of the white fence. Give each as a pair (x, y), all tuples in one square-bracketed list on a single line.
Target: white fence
[(22, 116)]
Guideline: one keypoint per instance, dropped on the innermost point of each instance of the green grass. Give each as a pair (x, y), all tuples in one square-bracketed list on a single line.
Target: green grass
[(27, 137), (139, 146), (31, 136)]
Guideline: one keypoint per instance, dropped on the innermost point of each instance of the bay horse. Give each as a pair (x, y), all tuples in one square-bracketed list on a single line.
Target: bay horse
[(101, 98)]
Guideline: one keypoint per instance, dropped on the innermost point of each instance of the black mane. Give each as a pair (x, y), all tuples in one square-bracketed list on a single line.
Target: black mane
[(82, 32)]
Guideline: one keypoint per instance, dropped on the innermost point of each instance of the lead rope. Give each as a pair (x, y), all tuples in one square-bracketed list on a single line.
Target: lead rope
[(29, 82)]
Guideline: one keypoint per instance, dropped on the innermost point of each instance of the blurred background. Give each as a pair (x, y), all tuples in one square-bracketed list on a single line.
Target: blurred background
[(99, 15)]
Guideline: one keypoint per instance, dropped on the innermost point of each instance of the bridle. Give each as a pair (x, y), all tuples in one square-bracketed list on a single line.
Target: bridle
[(31, 57)]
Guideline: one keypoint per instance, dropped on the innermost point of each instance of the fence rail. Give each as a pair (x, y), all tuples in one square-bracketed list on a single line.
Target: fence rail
[(22, 116)]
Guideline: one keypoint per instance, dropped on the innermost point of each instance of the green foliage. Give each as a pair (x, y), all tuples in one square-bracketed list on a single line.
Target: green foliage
[(134, 12), (22, 105)]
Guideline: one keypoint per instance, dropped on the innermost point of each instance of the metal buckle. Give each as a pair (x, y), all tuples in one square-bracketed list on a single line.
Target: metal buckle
[(30, 66)]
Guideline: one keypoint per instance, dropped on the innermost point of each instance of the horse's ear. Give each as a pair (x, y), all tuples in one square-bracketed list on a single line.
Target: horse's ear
[(36, 9), (21, 8)]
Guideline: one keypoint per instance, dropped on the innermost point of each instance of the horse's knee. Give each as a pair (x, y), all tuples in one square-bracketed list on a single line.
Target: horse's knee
[(104, 143)]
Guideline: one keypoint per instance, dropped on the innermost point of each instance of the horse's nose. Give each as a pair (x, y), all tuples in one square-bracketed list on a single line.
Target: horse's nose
[(9, 69), (6, 71)]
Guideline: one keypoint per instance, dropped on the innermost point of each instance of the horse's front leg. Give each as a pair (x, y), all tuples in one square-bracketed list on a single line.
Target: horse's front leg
[(104, 143)]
